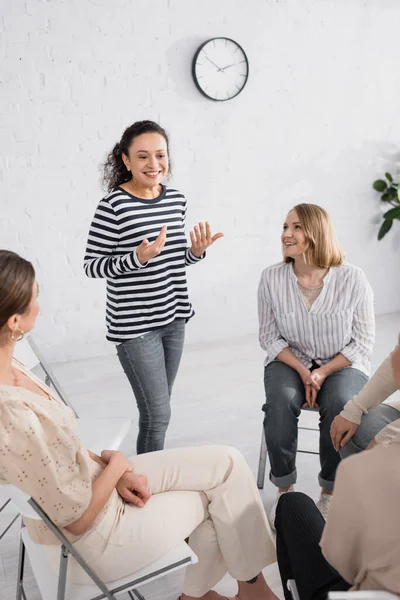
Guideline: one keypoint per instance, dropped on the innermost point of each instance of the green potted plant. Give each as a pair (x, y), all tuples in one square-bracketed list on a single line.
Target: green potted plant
[(390, 195)]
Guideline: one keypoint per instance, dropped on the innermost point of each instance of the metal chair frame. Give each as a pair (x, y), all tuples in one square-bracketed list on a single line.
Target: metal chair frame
[(68, 549), (50, 379), (360, 595)]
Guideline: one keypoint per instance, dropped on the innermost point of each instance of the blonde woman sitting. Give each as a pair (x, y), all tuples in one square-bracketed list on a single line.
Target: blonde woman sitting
[(317, 327)]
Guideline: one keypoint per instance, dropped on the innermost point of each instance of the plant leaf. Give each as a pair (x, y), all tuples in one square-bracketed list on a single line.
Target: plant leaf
[(389, 177), (393, 213), (398, 193), (392, 193), (385, 197), (385, 227), (379, 185)]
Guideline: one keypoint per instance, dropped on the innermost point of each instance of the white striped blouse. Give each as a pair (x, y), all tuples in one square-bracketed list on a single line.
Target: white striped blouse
[(341, 320)]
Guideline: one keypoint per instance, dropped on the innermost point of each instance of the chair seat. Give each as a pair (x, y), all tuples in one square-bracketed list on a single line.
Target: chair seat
[(99, 434), (47, 579)]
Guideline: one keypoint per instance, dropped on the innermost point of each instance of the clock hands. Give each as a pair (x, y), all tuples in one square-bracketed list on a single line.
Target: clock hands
[(228, 66), (213, 63)]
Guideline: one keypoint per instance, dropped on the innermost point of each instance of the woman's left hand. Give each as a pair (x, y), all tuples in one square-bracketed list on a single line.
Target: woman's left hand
[(133, 488), (201, 239)]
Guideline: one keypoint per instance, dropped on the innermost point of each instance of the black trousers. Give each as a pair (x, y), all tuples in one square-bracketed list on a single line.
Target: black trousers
[(299, 526)]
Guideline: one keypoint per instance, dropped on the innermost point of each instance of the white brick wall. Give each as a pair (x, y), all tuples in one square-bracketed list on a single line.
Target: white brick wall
[(318, 121)]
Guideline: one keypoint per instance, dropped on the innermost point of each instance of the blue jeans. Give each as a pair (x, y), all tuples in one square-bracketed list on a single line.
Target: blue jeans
[(151, 363), (285, 395), (370, 425)]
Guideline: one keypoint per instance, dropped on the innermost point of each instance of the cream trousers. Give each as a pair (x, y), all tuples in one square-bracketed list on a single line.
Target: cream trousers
[(205, 493)]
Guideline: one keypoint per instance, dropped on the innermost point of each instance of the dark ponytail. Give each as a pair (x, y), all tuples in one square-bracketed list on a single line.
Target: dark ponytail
[(115, 172)]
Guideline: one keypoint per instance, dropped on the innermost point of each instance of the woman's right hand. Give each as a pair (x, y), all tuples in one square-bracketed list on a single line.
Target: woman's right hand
[(147, 251), (310, 400), (342, 430), (116, 458)]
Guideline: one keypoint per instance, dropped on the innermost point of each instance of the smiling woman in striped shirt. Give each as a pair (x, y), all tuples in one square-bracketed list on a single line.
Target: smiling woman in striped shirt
[(137, 242), (317, 326)]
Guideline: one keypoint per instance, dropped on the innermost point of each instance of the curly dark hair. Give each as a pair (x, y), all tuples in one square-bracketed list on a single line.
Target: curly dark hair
[(114, 170)]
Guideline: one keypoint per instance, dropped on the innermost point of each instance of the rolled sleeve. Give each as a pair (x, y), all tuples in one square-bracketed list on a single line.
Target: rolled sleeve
[(363, 325)]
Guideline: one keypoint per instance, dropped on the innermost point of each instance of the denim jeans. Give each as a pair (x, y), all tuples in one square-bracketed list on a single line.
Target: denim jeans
[(151, 363), (285, 395), (371, 424)]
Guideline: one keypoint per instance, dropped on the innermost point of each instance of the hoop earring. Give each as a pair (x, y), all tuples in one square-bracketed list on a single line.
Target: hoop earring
[(19, 337)]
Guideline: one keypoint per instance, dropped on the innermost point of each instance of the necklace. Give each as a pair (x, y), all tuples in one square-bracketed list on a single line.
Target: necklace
[(309, 291)]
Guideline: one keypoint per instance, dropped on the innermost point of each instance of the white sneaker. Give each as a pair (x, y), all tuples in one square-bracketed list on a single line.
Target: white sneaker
[(324, 504), (273, 509)]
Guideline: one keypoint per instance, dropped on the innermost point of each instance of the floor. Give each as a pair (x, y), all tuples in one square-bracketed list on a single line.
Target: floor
[(217, 399)]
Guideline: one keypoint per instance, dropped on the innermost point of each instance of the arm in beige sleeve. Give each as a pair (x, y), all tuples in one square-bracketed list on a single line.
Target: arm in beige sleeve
[(345, 522), (102, 489), (388, 434), (376, 391)]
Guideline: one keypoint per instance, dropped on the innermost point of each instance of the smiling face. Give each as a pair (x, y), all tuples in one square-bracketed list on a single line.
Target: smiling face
[(148, 159), (293, 238)]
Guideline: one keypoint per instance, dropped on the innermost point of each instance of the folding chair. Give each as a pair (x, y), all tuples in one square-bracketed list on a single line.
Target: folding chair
[(292, 587), (53, 585), (262, 463), (376, 595), (363, 595), (3, 496)]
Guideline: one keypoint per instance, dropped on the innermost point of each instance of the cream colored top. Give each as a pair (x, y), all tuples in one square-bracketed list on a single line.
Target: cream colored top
[(376, 391), (33, 425), (361, 539)]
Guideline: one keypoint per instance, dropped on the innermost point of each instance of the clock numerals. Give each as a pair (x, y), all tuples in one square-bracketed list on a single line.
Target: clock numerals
[(220, 69)]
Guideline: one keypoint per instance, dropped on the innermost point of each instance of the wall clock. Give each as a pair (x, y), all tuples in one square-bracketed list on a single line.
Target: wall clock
[(220, 69)]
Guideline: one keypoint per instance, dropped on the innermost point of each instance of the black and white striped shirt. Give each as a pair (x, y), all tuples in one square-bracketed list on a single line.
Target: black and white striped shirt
[(341, 320), (140, 298)]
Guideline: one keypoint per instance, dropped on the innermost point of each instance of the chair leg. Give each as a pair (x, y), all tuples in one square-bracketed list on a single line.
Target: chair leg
[(3, 533), (262, 464), (62, 577), (21, 568), (135, 594)]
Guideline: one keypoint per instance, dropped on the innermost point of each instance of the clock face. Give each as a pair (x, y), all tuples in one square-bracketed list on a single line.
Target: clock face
[(220, 69)]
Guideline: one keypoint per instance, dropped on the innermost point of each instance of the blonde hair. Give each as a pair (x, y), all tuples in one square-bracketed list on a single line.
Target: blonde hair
[(322, 247)]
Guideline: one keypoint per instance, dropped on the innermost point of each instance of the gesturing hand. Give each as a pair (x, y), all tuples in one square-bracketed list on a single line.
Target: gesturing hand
[(201, 239), (342, 430), (132, 482), (147, 251)]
